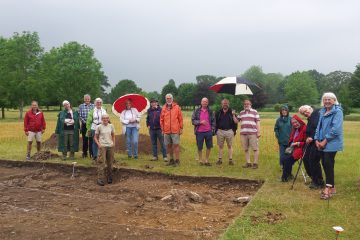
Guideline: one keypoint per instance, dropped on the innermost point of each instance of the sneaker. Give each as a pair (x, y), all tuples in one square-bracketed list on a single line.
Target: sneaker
[(84, 155), (255, 166), (170, 163), (207, 164), (219, 162), (231, 162), (94, 158), (165, 159), (109, 180), (63, 157), (129, 157), (177, 163), (154, 159), (136, 157), (28, 156), (247, 165)]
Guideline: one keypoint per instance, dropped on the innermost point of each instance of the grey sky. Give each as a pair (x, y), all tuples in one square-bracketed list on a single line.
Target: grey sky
[(151, 41)]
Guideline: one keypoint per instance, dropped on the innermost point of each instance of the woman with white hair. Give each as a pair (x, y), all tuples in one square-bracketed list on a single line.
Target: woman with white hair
[(312, 155), (67, 130), (329, 138), (93, 120)]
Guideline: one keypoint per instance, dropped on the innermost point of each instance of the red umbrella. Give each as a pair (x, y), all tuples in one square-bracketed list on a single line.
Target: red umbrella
[(139, 102)]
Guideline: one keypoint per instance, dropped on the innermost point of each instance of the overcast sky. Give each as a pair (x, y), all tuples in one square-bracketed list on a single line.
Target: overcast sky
[(152, 41)]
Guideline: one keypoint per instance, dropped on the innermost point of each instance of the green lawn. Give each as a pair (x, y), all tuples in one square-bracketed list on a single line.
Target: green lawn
[(305, 215)]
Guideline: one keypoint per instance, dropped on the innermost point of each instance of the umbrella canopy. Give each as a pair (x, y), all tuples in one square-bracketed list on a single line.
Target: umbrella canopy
[(139, 102), (234, 86)]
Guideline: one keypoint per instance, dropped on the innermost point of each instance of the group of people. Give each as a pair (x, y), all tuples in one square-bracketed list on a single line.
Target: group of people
[(320, 139)]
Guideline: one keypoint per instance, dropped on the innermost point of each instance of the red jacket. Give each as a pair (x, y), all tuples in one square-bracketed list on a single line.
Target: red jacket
[(301, 138), (34, 122), (171, 120)]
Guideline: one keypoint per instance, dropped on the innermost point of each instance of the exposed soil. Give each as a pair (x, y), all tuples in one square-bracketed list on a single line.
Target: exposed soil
[(44, 155), (40, 200), (145, 146)]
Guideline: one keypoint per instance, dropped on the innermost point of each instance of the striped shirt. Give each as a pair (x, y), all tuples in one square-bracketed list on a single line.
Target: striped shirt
[(248, 120)]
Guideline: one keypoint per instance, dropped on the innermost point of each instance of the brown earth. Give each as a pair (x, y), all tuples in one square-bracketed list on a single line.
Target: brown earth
[(145, 146), (41, 201)]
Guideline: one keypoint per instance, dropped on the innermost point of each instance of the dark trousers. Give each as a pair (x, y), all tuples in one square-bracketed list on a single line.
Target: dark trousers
[(282, 154), (307, 159), (287, 167), (86, 141), (313, 155), (155, 134), (328, 162)]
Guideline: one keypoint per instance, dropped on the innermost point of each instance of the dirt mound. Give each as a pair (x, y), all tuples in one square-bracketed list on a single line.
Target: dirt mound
[(145, 146), (44, 155), (179, 199)]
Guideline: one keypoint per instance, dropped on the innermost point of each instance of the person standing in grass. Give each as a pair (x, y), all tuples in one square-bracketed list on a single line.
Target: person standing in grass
[(105, 140), (67, 130), (203, 120), (130, 119), (93, 121), (312, 155), (296, 143), (250, 133), (282, 131), (226, 125), (153, 124), (329, 138), (34, 127), (171, 122), (84, 110)]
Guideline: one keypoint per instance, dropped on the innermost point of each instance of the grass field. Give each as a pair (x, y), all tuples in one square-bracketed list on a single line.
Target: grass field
[(306, 216)]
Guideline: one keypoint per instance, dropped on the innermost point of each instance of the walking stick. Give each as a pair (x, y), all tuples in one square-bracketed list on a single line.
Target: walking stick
[(297, 172)]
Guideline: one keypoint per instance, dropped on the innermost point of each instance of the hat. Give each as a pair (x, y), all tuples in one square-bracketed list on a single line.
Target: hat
[(284, 107), (153, 100)]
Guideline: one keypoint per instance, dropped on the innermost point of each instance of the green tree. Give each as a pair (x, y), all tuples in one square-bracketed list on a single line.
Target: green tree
[(334, 81), (256, 75), (185, 94), (170, 87), (271, 85), (153, 95), (300, 88), (20, 66), (70, 72), (318, 78), (202, 89), (4, 93), (123, 87), (354, 87)]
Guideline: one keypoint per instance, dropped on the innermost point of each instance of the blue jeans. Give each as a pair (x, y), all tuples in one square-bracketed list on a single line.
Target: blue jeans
[(132, 139), (282, 154), (94, 145), (154, 135)]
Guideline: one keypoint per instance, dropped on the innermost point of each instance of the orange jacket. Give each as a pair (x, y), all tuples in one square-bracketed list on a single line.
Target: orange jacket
[(171, 119)]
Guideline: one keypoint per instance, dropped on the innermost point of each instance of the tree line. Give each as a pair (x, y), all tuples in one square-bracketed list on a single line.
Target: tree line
[(28, 72)]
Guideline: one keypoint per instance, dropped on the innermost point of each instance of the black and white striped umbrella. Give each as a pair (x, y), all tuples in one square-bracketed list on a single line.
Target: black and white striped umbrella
[(234, 86)]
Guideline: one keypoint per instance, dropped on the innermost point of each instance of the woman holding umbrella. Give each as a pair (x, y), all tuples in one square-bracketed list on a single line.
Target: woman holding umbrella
[(130, 118)]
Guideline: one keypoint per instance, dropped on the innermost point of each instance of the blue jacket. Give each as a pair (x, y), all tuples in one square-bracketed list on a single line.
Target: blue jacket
[(153, 118), (330, 126)]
